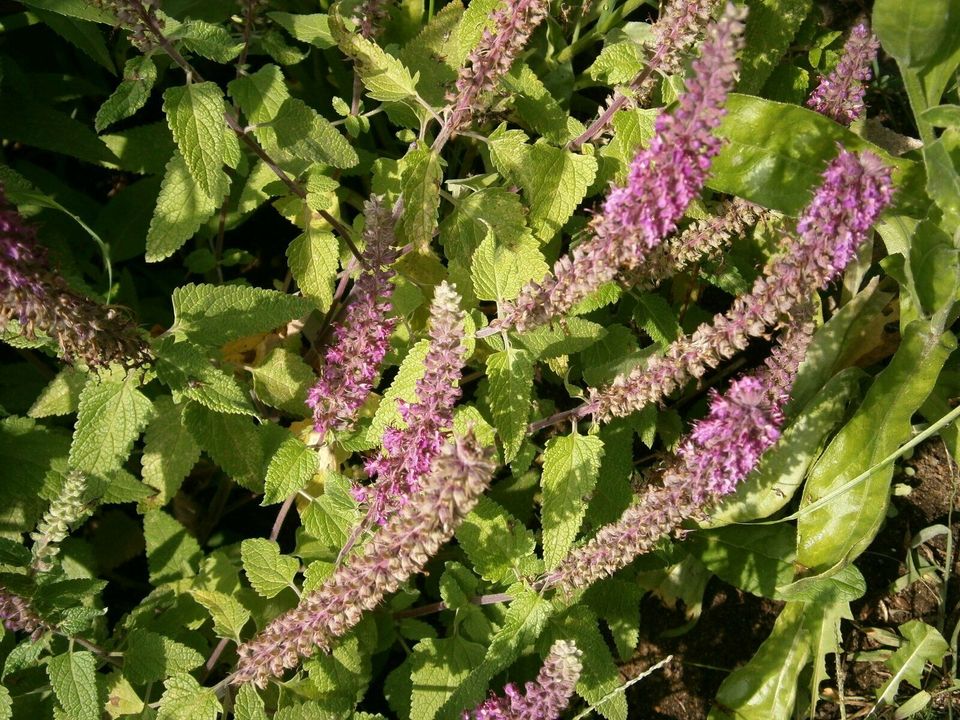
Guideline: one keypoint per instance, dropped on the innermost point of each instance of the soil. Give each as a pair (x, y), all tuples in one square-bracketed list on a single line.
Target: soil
[(734, 623)]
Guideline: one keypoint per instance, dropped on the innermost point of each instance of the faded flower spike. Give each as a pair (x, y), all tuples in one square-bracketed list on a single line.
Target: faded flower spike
[(32, 294), (67, 509), (490, 60), (362, 338), (408, 452), (855, 190), (400, 549), (542, 699), (137, 16), (664, 178), (17, 616), (840, 93)]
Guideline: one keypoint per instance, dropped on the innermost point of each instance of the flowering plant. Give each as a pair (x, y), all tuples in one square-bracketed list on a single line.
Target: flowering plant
[(378, 359)]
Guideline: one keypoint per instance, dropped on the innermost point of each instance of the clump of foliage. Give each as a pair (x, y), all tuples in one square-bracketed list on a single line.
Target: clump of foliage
[(375, 359)]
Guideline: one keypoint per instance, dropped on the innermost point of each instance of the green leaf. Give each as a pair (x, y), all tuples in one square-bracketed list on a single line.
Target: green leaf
[(112, 414), (313, 28), (570, 467), (754, 559), (139, 75), (766, 687), (384, 76), (289, 471), (308, 135), (617, 602), (331, 517), (944, 116), (658, 319), (421, 198), (182, 207), (260, 96), (61, 396), (122, 699), (189, 374), (775, 152), (85, 36), (73, 677), (215, 314), (184, 699), (172, 553), (922, 644), (537, 107), (79, 9), (429, 54), (313, 258), (771, 27), (249, 705), (282, 381), (913, 33), (554, 180), (510, 374), (209, 40), (232, 442), (195, 116), (576, 334), (169, 452), (618, 63), (526, 618), (403, 387), (229, 616), (841, 530), (496, 543), (151, 657), (499, 271), (269, 572), (438, 668)]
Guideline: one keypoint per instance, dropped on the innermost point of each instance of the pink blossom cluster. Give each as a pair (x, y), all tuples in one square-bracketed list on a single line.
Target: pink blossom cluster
[(840, 93)]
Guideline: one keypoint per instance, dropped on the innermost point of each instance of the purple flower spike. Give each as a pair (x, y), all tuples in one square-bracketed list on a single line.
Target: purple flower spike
[(855, 190), (40, 299), (664, 178), (362, 338), (408, 452), (490, 60), (17, 616), (543, 699), (840, 94), (400, 548), (726, 445)]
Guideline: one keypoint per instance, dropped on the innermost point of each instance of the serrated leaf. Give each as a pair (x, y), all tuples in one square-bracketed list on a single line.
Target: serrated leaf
[(6, 704), (172, 553), (289, 471), (313, 28), (570, 467), (184, 699), (195, 117), (576, 334), (209, 40), (79, 9), (189, 374), (282, 381), (233, 442), (169, 452), (229, 616), (384, 76), (618, 63), (314, 258), (111, 415), (122, 699), (61, 396), (617, 603), (537, 107), (150, 657), (493, 209), (510, 374), (73, 677), (268, 571), (437, 668), (249, 705), (139, 75), (214, 314), (308, 135), (403, 387), (421, 198), (496, 543), (500, 271), (922, 644), (658, 319), (182, 207), (770, 31)]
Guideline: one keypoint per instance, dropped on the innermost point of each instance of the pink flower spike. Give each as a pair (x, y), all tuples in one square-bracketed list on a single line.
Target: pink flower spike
[(840, 93)]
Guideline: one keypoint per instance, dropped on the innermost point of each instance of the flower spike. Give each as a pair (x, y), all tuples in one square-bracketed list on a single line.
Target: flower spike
[(840, 93)]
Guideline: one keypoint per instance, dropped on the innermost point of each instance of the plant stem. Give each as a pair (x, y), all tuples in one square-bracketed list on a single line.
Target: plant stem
[(439, 606)]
